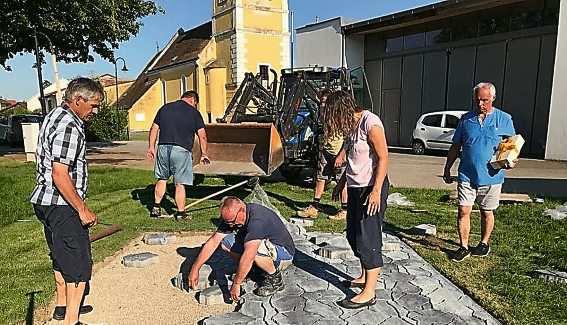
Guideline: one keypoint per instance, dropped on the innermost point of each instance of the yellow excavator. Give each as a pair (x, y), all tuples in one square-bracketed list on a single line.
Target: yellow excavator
[(271, 124)]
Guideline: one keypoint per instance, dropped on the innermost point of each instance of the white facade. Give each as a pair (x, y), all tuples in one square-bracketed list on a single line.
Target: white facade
[(49, 92), (557, 129), (322, 44)]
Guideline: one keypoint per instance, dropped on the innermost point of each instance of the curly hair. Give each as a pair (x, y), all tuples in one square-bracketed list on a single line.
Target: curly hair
[(338, 115)]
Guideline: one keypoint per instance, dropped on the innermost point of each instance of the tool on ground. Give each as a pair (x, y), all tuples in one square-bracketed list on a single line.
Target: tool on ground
[(249, 182), (111, 229)]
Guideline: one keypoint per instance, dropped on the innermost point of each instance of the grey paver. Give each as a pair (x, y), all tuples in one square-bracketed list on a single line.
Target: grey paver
[(302, 221), (211, 296), (297, 318), (409, 291), (233, 318), (159, 239), (367, 317), (333, 252), (425, 229), (140, 259)]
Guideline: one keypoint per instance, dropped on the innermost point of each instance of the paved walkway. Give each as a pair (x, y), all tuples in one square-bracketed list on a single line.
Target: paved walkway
[(410, 291)]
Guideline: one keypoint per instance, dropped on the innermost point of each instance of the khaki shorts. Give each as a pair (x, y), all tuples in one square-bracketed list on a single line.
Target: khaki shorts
[(487, 196)]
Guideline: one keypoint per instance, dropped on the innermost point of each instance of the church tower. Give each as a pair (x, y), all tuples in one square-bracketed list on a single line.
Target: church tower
[(250, 33)]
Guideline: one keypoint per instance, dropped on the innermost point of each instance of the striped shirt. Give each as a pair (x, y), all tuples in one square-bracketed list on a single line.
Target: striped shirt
[(61, 139)]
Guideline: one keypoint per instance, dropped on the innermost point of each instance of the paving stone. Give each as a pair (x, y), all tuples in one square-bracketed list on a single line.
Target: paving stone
[(395, 321), (318, 308), (287, 304), (211, 296), (159, 239), (437, 296), (233, 318), (426, 284), (313, 284), (302, 221), (140, 259), (253, 309), (431, 317), (397, 276), (367, 317), (333, 252), (453, 306), (338, 241), (320, 238), (330, 321), (425, 229), (406, 288), (384, 308), (390, 246), (397, 255), (413, 301), (297, 318)]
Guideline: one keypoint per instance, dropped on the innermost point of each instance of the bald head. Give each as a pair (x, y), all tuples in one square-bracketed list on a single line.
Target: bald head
[(229, 208)]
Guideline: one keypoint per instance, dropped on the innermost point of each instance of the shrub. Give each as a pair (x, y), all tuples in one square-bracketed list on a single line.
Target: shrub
[(110, 124)]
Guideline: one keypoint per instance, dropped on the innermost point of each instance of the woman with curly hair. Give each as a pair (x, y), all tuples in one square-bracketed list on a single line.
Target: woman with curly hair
[(367, 185)]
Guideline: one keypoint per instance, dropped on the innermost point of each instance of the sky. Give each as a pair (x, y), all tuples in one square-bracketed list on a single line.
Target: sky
[(21, 83)]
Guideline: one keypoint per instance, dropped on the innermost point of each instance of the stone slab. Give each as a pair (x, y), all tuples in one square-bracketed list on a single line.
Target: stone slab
[(159, 239), (302, 221), (333, 252), (140, 259), (211, 296), (425, 229)]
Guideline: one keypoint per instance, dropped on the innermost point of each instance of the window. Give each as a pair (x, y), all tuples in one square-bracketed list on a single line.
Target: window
[(163, 91), (394, 44), (451, 121), (414, 41), (183, 84), (438, 36), (433, 120)]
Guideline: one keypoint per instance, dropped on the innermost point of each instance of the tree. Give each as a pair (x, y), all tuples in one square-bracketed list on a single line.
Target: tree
[(76, 28)]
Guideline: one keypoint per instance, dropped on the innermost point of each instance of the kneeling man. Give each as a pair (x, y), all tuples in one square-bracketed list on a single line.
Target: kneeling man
[(252, 234)]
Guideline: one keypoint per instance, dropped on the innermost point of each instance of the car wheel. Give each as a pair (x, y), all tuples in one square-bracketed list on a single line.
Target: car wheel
[(417, 147)]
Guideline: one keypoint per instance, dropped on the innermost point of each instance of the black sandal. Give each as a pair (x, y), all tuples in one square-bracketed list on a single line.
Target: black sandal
[(349, 304)]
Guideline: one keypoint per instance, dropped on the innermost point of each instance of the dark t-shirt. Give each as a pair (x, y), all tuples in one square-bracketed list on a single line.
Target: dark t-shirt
[(261, 223), (178, 122)]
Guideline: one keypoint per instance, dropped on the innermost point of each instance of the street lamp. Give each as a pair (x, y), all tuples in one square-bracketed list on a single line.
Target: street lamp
[(116, 74), (39, 73)]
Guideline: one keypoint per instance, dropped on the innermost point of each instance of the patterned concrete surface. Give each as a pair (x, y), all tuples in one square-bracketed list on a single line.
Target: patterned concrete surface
[(410, 291)]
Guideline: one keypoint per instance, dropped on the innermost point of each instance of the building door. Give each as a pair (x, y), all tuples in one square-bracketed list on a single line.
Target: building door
[(391, 116)]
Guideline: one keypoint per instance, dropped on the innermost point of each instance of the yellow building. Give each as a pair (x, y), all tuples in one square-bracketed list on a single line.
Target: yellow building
[(212, 59)]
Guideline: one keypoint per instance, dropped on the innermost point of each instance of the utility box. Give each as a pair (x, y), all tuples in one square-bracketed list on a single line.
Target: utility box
[(30, 132)]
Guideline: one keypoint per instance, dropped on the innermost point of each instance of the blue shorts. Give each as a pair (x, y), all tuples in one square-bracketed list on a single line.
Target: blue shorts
[(174, 161), (276, 252)]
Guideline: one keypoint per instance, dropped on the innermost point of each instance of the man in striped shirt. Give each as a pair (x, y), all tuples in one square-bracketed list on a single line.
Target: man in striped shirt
[(59, 195)]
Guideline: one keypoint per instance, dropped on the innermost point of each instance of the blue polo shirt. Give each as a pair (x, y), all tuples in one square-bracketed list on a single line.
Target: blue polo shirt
[(479, 141)]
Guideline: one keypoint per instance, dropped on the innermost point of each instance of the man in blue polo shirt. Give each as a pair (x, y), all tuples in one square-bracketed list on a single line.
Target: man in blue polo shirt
[(478, 134)]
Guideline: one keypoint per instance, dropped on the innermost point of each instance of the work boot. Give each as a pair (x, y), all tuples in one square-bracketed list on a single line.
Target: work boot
[(155, 212), (271, 284), (309, 212), (341, 215)]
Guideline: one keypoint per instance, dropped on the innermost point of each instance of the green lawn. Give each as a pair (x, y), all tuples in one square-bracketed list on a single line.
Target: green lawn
[(522, 242)]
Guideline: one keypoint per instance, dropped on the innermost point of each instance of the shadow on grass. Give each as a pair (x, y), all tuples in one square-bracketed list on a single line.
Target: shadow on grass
[(31, 307), (146, 196), (298, 205), (444, 245)]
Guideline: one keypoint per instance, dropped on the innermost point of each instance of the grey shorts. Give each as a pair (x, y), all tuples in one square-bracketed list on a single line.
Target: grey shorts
[(487, 196), (174, 161), (277, 253), (326, 167)]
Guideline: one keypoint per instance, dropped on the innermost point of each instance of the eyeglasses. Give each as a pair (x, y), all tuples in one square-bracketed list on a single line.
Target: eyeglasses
[(233, 221)]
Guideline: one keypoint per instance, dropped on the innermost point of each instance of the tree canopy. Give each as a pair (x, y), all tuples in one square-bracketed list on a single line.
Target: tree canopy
[(76, 28)]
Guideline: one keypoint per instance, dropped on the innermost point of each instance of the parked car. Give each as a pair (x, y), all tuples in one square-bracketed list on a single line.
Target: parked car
[(435, 131), (11, 127)]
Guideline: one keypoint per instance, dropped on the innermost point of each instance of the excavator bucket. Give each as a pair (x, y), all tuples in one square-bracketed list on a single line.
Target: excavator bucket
[(244, 149)]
